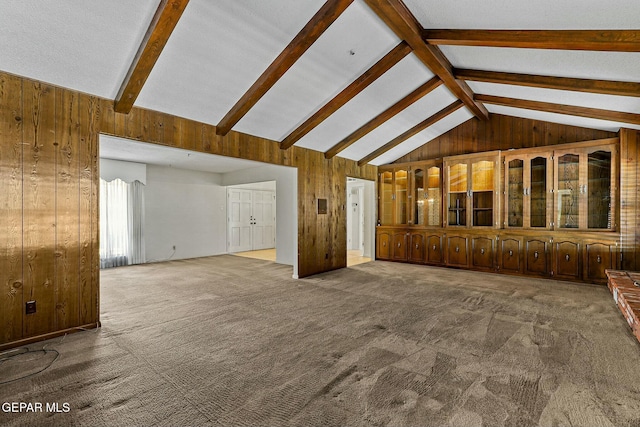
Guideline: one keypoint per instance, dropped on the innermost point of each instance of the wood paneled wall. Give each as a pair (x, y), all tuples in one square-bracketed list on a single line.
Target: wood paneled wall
[(49, 249), (501, 133), (629, 198)]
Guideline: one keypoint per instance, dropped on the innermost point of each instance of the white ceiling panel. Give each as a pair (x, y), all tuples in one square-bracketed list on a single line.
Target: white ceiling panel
[(527, 14), (606, 102), (325, 70), (443, 126), (621, 66), (560, 118), (394, 85), (416, 113), (87, 46), (217, 51), (154, 154)]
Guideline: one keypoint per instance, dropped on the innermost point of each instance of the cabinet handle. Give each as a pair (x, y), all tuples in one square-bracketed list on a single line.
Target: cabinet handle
[(510, 253), (457, 249), (434, 247), (384, 244), (567, 257), (598, 259), (417, 246), (535, 254), (481, 251), (398, 244)]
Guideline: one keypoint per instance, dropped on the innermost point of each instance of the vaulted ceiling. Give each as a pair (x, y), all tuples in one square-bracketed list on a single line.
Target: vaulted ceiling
[(369, 80)]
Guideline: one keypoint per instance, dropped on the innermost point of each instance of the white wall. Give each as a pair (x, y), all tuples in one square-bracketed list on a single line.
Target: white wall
[(126, 171), (186, 209), (286, 179)]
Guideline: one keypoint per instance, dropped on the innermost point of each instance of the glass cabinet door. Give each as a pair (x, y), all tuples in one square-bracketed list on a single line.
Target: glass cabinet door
[(599, 189), (515, 192), (537, 192), (401, 193), (433, 196), (386, 198), (568, 191), (419, 196), (482, 188), (458, 187)]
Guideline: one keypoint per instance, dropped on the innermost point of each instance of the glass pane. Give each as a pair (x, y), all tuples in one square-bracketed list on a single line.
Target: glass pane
[(538, 192), (458, 178), (386, 201), (568, 206), (457, 208), (458, 194), (401, 196), (482, 187), (515, 208), (482, 176), (418, 197), (433, 196), (599, 185)]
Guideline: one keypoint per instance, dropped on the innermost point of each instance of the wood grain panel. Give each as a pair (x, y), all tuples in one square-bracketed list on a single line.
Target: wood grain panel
[(629, 156), (87, 221), (67, 189), (499, 133), (39, 207), (11, 282)]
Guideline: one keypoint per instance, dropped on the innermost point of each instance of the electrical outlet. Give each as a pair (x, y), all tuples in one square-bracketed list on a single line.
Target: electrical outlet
[(30, 307)]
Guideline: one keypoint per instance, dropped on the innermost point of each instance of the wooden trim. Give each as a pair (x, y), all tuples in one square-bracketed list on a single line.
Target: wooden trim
[(571, 110), (25, 341), (164, 21), (398, 17), (384, 116), (311, 32), (602, 40), (413, 131), (607, 87), (348, 93)]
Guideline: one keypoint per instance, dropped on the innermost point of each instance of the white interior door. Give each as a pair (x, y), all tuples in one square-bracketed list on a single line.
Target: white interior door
[(251, 219), (239, 209), (264, 220)]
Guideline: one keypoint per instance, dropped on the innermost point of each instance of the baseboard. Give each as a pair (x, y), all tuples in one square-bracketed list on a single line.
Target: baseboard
[(47, 336)]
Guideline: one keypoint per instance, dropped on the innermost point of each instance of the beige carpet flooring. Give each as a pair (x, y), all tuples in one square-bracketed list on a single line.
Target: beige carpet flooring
[(234, 341)]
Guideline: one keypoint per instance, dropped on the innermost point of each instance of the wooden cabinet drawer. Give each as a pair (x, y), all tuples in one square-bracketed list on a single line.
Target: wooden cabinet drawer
[(598, 258), (416, 243), (434, 249), (383, 245), (399, 246), (536, 257), (566, 259)]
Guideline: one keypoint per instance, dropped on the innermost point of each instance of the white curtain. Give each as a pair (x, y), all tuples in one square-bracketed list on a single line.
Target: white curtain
[(121, 223)]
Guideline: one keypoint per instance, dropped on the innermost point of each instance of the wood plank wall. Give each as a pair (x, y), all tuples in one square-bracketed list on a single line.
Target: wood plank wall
[(501, 133), (49, 249), (629, 198)]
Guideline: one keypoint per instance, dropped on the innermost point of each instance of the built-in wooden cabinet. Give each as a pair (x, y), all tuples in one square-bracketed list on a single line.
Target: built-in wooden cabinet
[(410, 194), (585, 185), (548, 212), (472, 183)]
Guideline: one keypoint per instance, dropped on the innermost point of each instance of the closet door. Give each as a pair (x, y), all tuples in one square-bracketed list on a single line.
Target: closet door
[(264, 220), (239, 219)]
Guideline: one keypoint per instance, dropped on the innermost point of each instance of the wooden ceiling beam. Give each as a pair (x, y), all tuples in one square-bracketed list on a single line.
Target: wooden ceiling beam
[(311, 32), (602, 40), (348, 93), (571, 110), (607, 87), (401, 21), (413, 131), (384, 116), (164, 21)]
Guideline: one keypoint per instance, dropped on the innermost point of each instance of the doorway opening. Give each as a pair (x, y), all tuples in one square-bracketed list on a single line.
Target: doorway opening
[(251, 220), (360, 221)]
